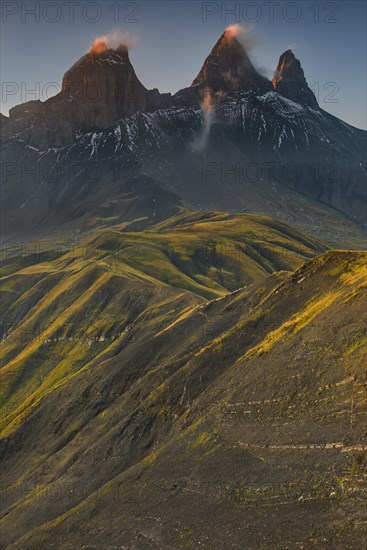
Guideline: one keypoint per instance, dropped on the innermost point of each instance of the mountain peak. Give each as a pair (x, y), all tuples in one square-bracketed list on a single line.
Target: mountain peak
[(288, 55), (289, 81), (100, 51), (100, 46), (89, 68), (229, 40), (104, 86), (228, 67)]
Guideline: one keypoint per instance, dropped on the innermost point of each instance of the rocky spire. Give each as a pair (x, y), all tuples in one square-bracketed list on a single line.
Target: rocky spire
[(104, 87), (228, 68), (289, 81)]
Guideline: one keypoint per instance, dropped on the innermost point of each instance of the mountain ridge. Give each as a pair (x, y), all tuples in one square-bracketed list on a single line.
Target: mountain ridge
[(283, 154), (245, 382), (227, 69)]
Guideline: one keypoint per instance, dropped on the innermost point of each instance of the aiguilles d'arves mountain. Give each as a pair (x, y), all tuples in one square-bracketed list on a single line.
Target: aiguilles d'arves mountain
[(184, 351)]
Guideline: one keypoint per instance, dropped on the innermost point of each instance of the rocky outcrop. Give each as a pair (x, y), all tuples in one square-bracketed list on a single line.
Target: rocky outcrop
[(229, 69), (289, 81), (97, 91), (103, 88)]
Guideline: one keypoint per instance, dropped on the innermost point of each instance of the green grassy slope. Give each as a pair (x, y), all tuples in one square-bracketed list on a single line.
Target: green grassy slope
[(70, 308), (158, 407)]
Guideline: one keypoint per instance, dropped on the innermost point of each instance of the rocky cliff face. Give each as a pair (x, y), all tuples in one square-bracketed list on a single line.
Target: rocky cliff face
[(226, 71), (104, 116), (289, 81), (3, 120), (229, 69), (103, 88), (98, 90)]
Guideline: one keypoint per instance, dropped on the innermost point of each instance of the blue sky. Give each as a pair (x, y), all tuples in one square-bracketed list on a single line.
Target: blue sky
[(41, 40)]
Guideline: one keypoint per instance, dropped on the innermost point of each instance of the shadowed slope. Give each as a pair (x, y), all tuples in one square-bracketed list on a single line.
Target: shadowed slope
[(210, 427)]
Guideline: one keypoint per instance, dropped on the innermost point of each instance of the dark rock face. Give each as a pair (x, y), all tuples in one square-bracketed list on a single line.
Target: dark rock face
[(99, 89), (266, 154), (103, 88), (289, 81), (42, 125), (3, 120), (229, 69), (104, 117)]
